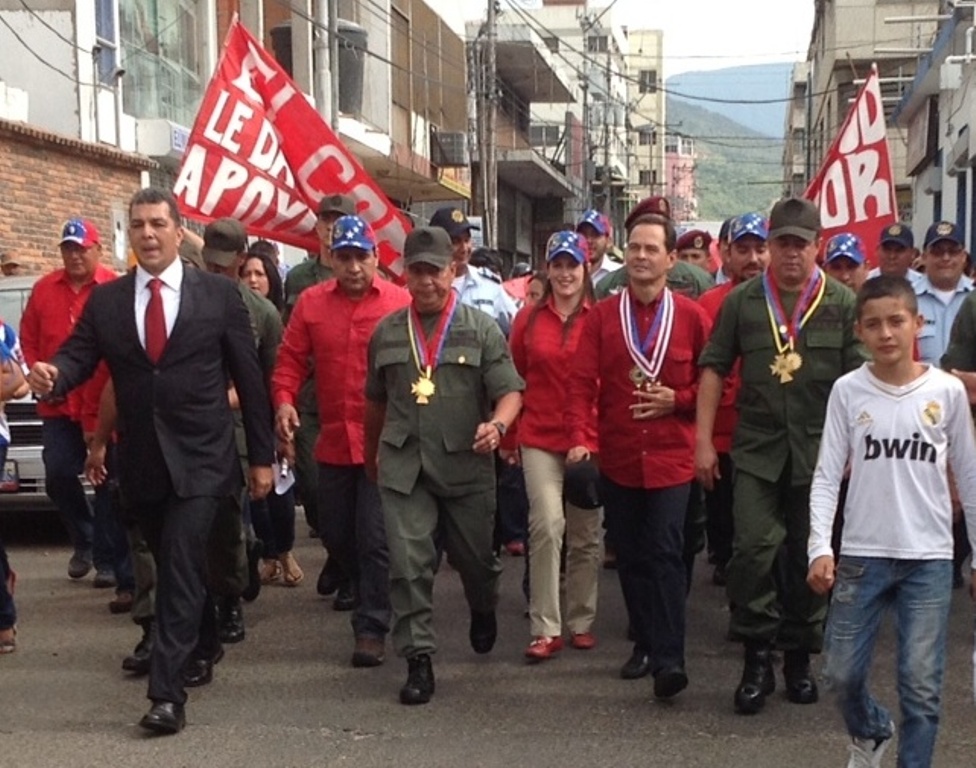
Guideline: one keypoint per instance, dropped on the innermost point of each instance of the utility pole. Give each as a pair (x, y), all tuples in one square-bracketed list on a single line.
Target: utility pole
[(587, 145), (334, 63), (489, 164), (607, 208), (323, 63)]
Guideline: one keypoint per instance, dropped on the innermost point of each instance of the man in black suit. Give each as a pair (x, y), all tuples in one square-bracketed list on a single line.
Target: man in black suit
[(173, 339)]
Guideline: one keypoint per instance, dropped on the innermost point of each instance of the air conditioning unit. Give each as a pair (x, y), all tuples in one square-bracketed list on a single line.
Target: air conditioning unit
[(932, 181), (449, 149)]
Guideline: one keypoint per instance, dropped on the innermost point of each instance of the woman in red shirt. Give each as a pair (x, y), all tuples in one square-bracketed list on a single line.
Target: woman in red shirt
[(544, 339)]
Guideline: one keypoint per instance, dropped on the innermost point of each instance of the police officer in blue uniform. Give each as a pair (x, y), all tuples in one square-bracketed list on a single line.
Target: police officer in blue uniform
[(477, 287)]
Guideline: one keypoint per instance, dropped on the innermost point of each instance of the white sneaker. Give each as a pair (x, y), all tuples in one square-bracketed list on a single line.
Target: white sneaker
[(867, 753)]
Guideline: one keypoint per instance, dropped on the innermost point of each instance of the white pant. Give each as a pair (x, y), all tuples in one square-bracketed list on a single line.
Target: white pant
[(548, 523)]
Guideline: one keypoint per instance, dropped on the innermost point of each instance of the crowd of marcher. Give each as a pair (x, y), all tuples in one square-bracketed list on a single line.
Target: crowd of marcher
[(761, 394)]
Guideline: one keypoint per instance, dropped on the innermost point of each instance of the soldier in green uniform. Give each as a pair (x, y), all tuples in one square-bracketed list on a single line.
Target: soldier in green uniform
[(312, 271), (441, 391), (232, 546), (683, 278), (792, 329)]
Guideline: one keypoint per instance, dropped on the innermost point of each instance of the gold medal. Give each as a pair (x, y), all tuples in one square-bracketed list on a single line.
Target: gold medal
[(785, 365), (637, 376), (794, 361), (423, 389)]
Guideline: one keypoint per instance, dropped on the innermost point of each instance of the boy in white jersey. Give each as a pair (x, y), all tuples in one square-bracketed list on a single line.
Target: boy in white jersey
[(899, 424)]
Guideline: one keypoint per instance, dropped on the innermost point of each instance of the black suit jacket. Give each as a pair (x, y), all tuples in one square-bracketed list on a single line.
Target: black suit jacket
[(176, 430)]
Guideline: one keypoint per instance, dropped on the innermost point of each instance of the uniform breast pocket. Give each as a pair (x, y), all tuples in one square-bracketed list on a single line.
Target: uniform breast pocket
[(681, 369), (928, 344), (459, 373), (824, 354)]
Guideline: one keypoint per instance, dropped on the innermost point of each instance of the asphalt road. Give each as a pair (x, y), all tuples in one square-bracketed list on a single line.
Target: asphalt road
[(288, 697)]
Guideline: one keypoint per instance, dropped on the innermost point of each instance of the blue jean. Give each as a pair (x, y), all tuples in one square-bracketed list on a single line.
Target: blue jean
[(64, 459), (96, 533), (919, 592), (8, 613)]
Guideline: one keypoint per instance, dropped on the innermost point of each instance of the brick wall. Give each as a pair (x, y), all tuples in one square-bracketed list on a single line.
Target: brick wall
[(46, 178)]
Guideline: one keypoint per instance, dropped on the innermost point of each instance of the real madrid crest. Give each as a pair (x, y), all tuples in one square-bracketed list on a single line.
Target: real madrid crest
[(932, 413)]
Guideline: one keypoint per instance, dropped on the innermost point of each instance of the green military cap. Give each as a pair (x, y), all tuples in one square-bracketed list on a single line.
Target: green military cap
[(223, 240), (428, 245)]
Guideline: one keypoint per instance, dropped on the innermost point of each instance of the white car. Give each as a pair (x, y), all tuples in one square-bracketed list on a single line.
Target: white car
[(22, 479)]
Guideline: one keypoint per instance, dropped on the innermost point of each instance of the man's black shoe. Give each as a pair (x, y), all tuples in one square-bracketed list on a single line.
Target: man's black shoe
[(138, 662), (637, 666), (164, 717), (329, 581), (345, 599), (801, 688), (230, 620), (758, 680), (483, 632), (669, 682), (197, 672), (420, 680), (255, 549)]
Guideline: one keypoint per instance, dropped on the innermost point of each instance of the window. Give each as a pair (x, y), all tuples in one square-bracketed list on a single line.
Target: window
[(544, 135), (647, 138), (161, 45), (648, 81), (645, 178), (596, 44), (672, 144), (400, 54), (107, 37)]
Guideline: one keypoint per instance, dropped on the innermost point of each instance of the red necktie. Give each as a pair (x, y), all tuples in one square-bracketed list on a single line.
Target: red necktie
[(155, 322)]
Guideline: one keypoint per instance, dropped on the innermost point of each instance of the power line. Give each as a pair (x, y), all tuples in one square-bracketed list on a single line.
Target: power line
[(36, 55)]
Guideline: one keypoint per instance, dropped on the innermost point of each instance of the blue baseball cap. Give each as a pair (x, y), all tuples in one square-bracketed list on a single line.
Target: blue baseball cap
[(897, 233), (748, 224), (844, 244), (944, 230), (570, 243), (599, 221), (352, 232), (80, 232)]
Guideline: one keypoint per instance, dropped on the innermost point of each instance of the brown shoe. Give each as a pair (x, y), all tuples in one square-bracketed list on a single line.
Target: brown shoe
[(369, 652), (122, 603)]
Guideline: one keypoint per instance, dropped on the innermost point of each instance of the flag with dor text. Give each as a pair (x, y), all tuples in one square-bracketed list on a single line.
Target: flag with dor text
[(854, 187)]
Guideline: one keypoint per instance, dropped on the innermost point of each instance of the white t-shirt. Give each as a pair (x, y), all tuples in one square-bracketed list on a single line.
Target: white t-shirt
[(898, 440)]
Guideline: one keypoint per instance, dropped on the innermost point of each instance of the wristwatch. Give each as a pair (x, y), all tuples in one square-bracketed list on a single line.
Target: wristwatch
[(502, 429)]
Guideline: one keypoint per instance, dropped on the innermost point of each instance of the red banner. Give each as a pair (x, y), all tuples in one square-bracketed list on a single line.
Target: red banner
[(260, 153), (854, 187)]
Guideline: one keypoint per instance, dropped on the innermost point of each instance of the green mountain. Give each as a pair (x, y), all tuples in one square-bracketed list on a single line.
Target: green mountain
[(737, 170)]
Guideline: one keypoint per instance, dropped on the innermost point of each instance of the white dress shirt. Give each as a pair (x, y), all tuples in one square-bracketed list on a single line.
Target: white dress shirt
[(172, 278)]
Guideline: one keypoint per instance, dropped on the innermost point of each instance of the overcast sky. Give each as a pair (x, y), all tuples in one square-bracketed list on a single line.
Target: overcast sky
[(710, 34)]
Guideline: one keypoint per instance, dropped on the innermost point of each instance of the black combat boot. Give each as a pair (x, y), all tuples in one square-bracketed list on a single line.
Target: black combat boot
[(758, 680), (420, 680), (801, 688), (138, 661)]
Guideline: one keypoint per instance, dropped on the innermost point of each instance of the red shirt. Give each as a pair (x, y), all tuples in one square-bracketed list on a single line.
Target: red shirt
[(727, 416), (334, 331), (543, 355), (645, 453), (52, 310)]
